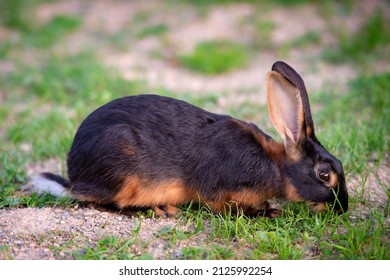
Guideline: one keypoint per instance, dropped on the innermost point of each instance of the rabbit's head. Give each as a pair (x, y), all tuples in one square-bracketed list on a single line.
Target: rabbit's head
[(311, 173)]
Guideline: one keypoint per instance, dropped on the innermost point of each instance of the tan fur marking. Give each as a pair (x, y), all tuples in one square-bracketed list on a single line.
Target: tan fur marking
[(170, 210), (166, 211), (292, 194), (293, 152), (248, 201), (334, 180), (247, 197), (274, 150), (244, 200), (309, 132), (138, 192), (85, 198), (319, 207), (158, 211), (216, 206), (127, 150)]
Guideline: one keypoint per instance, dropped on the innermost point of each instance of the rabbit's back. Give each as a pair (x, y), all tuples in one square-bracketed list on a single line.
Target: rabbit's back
[(146, 140), (148, 137), (146, 128)]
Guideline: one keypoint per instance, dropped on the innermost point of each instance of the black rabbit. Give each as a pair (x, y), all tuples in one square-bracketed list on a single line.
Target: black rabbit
[(156, 152)]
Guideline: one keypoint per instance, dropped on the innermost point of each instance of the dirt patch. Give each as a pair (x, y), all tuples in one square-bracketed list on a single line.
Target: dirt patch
[(30, 232), (186, 28), (373, 188)]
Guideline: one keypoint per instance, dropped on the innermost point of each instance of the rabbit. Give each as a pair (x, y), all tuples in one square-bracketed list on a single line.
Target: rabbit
[(155, 152)]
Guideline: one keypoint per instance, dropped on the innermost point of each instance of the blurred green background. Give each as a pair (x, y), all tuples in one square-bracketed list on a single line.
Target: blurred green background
[(59, 60)]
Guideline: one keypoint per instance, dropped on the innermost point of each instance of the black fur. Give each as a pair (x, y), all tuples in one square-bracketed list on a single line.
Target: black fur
[(313, 153), (161, 139), (56, 178), (310, 187), (171, 139)]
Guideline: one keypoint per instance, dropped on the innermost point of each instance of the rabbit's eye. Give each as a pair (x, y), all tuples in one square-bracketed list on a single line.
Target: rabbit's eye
[(324, 176)]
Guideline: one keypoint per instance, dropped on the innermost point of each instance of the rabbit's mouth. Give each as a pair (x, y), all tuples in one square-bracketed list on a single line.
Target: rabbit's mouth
[(323, 207), (319, 207)]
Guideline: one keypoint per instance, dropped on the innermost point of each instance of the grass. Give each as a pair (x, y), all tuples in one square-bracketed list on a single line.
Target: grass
[(43, 36), (262, 28), (308, 39), (297, 235), (152, 30), (80, 75), (51, 32), (369, 42), (142, 25), (13, 13), (110, 248), (215, 57), (58, 98), (207, 3), (44, 101), (357, 123), (65, 95)]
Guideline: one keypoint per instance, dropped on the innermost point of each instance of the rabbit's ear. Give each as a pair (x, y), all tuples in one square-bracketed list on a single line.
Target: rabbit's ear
[(294, 78), (285, 107)]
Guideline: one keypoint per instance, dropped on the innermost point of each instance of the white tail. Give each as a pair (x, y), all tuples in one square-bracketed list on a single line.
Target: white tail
[(41, 185)]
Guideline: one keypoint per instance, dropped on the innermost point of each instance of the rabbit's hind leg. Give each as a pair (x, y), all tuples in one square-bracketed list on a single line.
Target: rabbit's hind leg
[(160, 196), (265, 213), (166, 211)]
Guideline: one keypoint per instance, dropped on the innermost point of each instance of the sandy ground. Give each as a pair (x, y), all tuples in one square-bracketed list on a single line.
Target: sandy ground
[(31, 232)]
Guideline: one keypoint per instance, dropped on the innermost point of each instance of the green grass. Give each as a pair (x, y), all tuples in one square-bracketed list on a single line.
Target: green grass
[(38, 132), (43, 36), (215, 57), (17, 15), (51, 32), (141, 25), (79, 80), (65, 95), (13, 13), (6, 252), (51, 102), (110, 248), (355, 125), (298, 234), (217, 252), (263, 33), (368, 43), (12, 174), (224, 2), (152, 30), (308, 39)]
